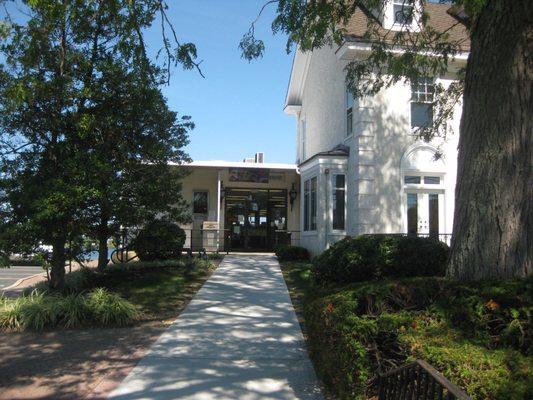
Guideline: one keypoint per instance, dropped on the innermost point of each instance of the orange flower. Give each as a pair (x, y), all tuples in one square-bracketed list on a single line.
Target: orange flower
[(491, 304), (329, 308), (414, 324)]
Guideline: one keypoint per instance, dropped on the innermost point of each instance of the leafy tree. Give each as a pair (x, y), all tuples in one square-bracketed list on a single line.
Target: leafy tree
[(493, 212), (74, 161)]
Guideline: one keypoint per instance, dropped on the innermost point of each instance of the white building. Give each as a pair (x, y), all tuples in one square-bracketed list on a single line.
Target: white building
[(360, 169)]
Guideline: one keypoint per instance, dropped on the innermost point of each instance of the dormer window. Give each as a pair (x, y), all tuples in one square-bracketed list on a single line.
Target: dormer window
[(403, 11)]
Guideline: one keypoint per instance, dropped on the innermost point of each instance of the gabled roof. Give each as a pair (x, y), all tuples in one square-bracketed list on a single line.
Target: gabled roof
[(439, 19)]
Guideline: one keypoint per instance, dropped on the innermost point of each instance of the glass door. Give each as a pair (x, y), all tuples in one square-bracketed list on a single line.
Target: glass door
[(424, 213), (254, 217)]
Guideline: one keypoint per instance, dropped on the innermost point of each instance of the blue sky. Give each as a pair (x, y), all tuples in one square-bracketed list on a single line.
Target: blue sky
[(238, 106)]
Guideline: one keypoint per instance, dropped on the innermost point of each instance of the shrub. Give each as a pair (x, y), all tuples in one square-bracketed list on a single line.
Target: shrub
[(291, 253), (110, 309), (159, 240), (40, 310), (459, 328), (367, 257), (75, 282)]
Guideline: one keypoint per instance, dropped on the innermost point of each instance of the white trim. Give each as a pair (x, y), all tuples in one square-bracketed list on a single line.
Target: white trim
[(237, 164), (299, 71)]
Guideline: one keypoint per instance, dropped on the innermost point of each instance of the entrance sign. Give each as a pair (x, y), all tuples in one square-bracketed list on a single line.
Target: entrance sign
[(253, 175), (210, 225)]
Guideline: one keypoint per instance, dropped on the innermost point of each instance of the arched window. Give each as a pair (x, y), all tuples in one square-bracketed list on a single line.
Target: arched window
[(423, 192)]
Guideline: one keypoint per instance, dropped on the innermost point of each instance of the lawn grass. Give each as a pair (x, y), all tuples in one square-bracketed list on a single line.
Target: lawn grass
[(159, 293), (122, 294), (478, 335)]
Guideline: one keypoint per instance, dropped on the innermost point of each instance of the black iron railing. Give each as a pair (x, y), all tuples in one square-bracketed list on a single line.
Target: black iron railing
[(416, 381)]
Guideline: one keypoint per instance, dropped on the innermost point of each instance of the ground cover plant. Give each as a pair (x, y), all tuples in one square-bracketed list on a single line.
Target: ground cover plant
[(479, 335), (122, 294)]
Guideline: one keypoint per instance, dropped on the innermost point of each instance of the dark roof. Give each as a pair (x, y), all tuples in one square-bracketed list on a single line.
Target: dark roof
[(338, 151), (438, 18)]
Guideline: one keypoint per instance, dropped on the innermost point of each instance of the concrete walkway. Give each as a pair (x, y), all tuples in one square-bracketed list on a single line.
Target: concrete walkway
[(238, 339)]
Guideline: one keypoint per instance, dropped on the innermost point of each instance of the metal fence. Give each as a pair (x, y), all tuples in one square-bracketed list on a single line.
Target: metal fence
[(417, 380)]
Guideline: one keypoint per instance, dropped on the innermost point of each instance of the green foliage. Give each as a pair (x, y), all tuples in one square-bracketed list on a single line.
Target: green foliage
[(460, 328), (86, 134), (362, 258), (159, 240), (291, 253), (41, 310), (110, 309)]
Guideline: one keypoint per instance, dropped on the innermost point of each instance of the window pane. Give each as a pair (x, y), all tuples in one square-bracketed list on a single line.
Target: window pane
[(403, 11), (338, 203), (349, 122), (313, 205), (433, 214), (432, 180), (421, 115), (412, 179), (349, 99), (412, 213), (306, 205), (199, 204)]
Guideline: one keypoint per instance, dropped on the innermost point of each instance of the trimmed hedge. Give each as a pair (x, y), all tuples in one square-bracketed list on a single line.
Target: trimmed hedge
[(479, 335), (291, 253), (367, 257), (159, 240)]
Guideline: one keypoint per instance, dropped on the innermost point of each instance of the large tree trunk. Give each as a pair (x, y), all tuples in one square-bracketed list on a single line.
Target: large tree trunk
[(493, 221), (57, 273), (103, 236)]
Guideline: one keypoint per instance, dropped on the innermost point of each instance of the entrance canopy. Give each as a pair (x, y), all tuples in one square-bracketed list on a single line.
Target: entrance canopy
[(254, 206)]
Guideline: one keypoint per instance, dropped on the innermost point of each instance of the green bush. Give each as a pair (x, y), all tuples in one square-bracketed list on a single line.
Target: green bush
[(75, 282), (159, 240), (460, 328), (367, 257), (40, 310), (291, 253)]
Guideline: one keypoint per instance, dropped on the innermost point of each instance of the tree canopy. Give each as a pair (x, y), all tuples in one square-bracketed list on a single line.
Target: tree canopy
[(86, 136)]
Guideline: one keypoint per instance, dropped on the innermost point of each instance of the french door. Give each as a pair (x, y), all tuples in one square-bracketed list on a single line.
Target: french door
[(425, 212)]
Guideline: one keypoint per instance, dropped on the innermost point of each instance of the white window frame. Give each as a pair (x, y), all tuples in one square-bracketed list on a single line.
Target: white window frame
[(422, 188), (308, 213), (389, 18), (333, 190), (427, 96)]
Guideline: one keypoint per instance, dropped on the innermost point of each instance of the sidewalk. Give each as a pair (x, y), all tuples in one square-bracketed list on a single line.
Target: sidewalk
[(238, 339)]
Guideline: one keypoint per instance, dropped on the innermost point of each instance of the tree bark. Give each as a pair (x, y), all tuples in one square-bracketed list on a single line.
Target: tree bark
[(102, 248), (493, 221), (57, 273), (103, 236)]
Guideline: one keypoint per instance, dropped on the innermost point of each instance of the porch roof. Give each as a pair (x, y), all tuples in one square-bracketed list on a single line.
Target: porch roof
[(240, 164)]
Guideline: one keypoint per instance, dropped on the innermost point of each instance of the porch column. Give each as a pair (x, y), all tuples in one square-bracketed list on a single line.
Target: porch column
[(218, 210)]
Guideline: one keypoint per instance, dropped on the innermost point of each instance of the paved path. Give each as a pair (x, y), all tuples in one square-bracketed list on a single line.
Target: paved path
[(238, 339)]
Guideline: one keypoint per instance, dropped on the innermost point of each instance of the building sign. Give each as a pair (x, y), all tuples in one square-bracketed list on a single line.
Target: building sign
[(210, 225), (253, 175)]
